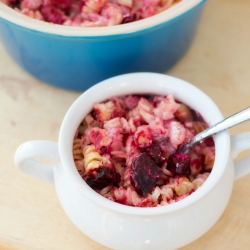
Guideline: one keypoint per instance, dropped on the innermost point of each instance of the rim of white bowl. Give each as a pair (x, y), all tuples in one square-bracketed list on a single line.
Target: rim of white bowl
[(222, 144), (17, 18)]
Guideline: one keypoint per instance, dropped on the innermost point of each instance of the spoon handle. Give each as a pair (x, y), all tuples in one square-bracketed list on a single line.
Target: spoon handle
[(229, 122)]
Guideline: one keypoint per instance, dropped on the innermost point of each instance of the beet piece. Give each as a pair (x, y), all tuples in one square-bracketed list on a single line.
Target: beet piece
[(129, 17), (179, 163), (14, 3), (52, 14), (155, 153), (62, 4), (209, 142), (197, 116), (103, 177), (118, 112), (144, 174)]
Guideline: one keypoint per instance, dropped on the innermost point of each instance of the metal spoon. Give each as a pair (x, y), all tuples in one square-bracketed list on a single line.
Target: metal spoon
[(229, 122)]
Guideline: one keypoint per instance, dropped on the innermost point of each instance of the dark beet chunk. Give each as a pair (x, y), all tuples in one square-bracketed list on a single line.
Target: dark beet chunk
[(209, 142), (197, 116), (62, 4), (145, 174), (127, 18), (118, 112), (103, 177), (155, 153), (179, 163), (52, 14)]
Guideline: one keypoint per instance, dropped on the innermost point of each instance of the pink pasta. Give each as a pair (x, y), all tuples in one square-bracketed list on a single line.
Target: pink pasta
[(90, 13), (126, 149)]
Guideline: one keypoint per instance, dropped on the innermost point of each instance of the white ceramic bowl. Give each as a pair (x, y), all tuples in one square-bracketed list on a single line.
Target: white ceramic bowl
[(131, 228)]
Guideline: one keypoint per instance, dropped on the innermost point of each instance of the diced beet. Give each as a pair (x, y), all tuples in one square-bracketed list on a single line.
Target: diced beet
[(209, 142), (145, 174), (118, 112), (62, 4), (179, 163), (52, 14), (13, 3), (103, 150), (155, 153), (103, 177), (197, 116), (129, 17)]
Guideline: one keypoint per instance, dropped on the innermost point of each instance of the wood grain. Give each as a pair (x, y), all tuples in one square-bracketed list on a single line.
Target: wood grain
[(31, 217)]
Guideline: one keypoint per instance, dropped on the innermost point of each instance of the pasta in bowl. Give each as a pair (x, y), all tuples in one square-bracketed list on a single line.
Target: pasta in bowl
[(90, 13), (126, 149)]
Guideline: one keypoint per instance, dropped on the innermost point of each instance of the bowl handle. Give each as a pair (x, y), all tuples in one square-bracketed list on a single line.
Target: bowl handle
[(37, 158), (239, 143)]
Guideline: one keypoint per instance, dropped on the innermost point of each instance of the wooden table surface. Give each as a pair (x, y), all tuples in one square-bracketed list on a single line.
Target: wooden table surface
[(31, 217)]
